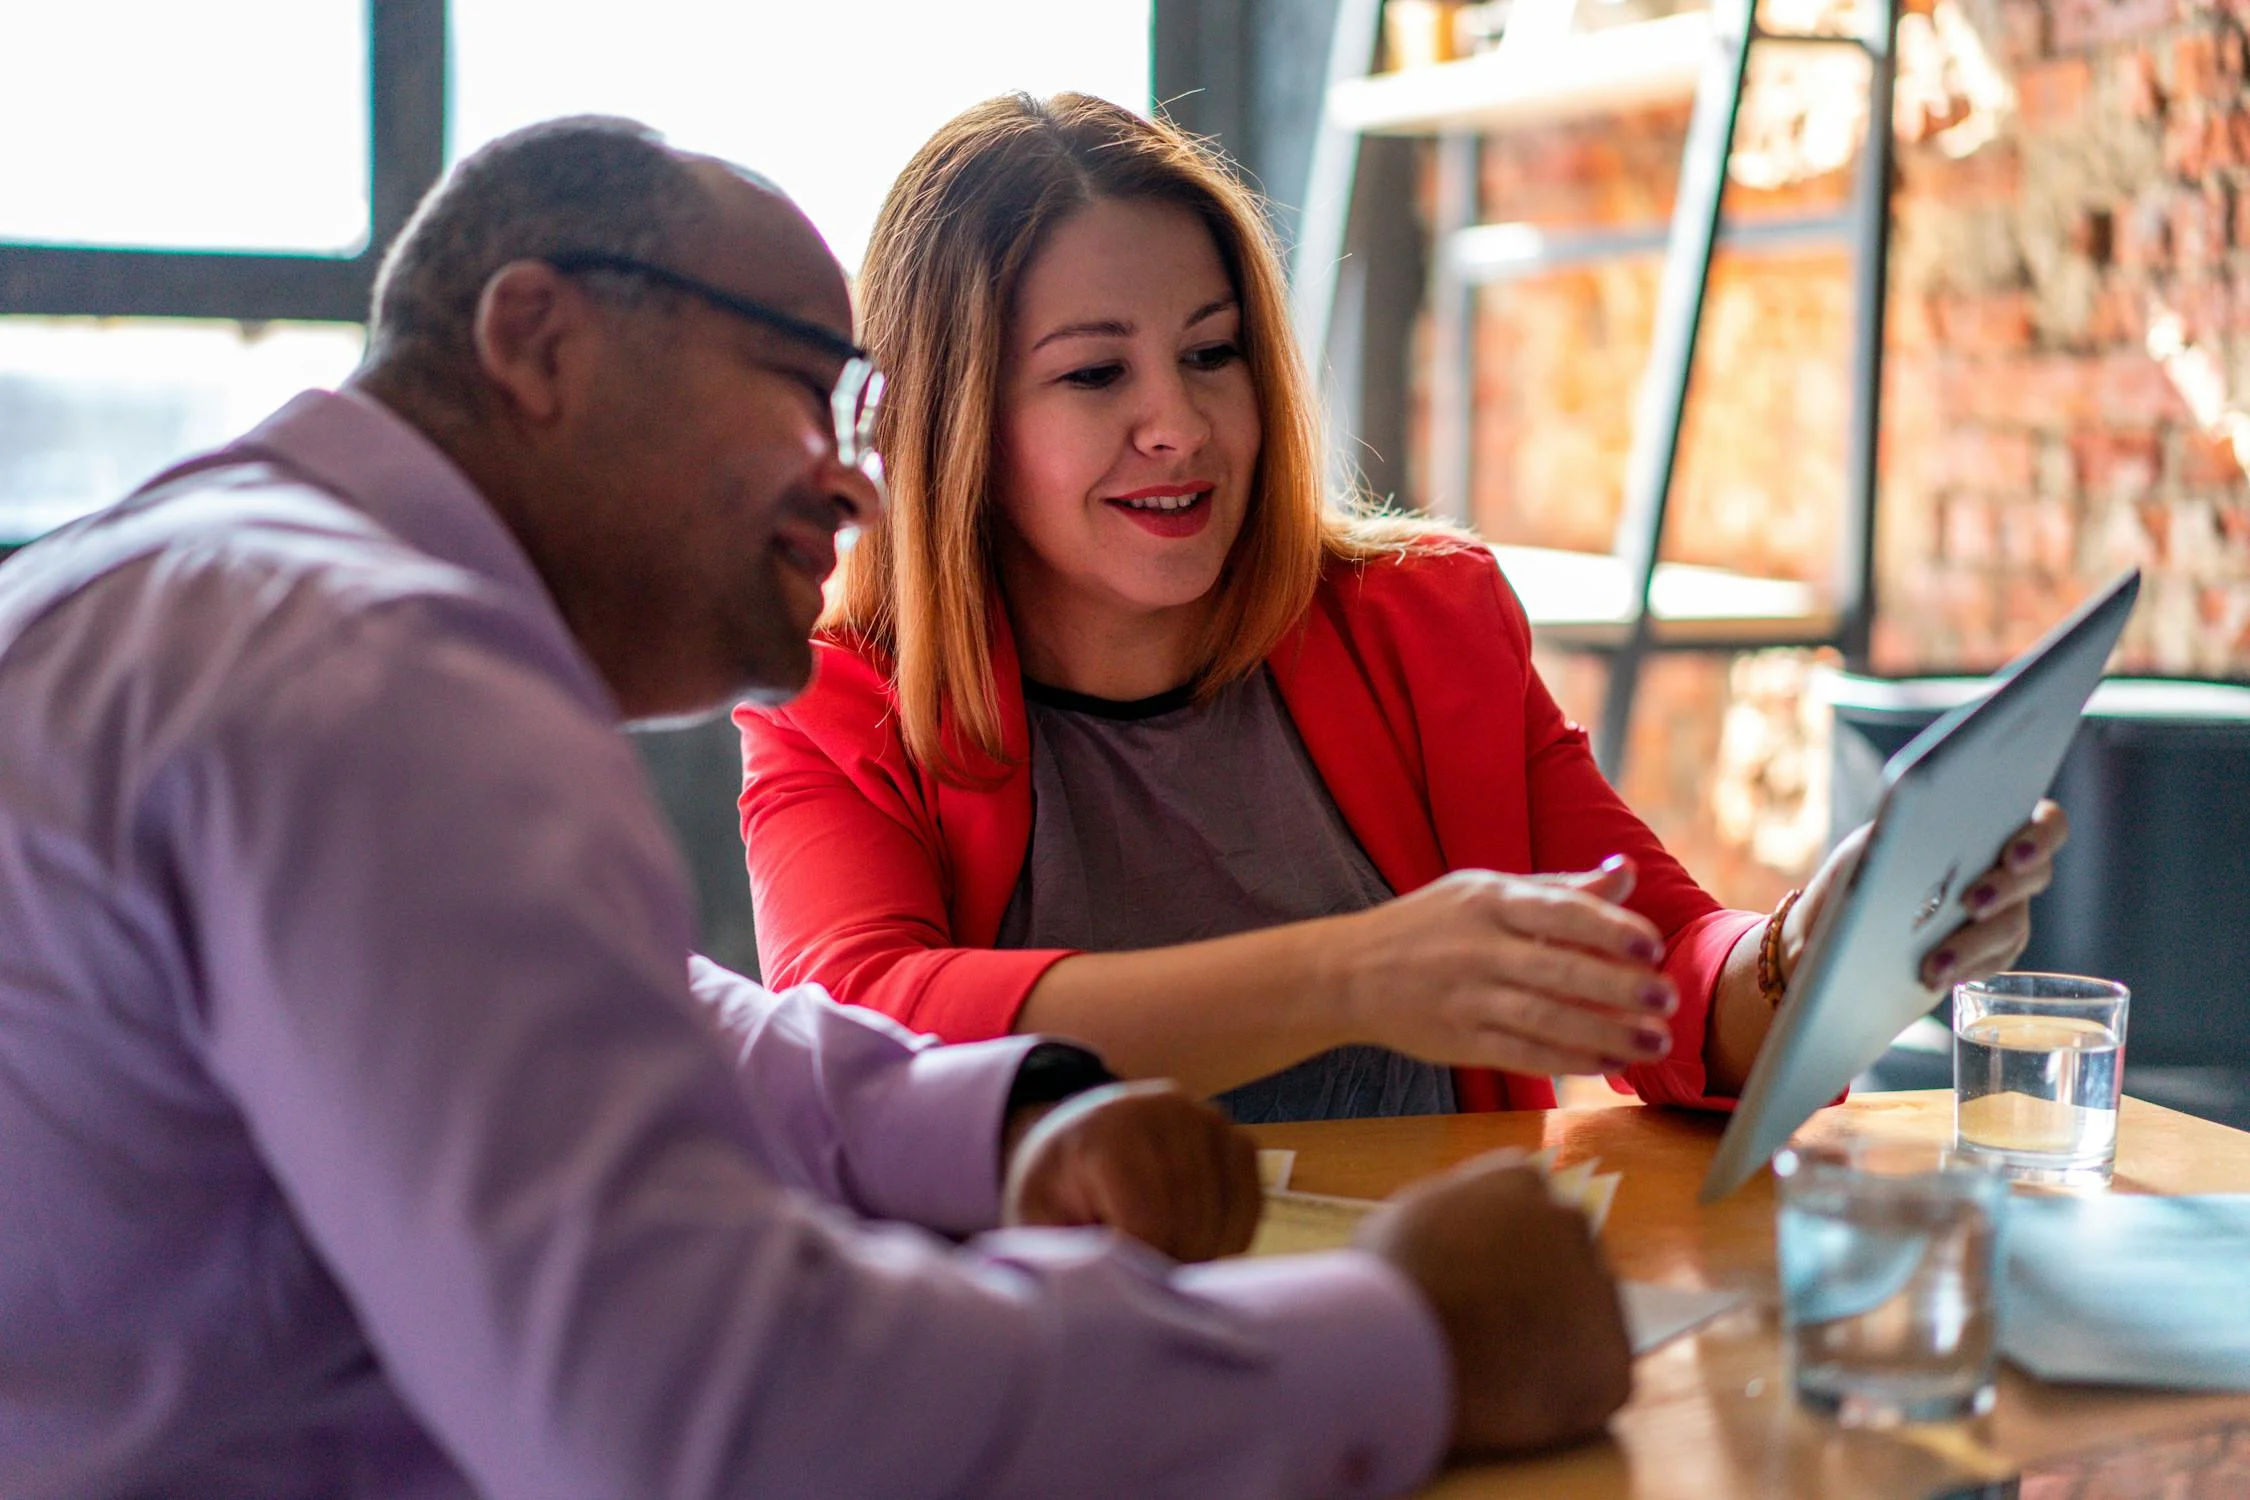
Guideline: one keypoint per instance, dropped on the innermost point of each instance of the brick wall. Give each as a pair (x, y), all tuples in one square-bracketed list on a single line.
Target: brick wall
[(2035, 443), (2032, 443)]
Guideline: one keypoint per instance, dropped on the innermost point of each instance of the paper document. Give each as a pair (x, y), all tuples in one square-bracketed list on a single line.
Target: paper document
[(2121, 1289), (1656, 1315), (1300, 1223), (1577, 1186)]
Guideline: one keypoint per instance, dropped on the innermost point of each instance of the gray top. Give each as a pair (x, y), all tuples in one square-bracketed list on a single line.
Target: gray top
[(1165, 821)]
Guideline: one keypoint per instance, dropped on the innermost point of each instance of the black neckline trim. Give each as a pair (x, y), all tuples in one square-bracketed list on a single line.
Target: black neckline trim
[(1108, 708)]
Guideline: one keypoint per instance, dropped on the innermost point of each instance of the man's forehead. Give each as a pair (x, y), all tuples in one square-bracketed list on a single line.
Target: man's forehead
[(761, 245)]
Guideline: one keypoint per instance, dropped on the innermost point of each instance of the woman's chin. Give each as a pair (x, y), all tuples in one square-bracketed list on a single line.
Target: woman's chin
[(1165, 591)]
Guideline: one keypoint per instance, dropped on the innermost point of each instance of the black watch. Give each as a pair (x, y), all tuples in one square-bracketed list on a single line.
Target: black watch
[(1054, 1071)]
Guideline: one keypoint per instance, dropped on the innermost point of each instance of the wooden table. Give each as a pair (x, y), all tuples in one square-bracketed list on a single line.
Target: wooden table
[(1711, 1414)]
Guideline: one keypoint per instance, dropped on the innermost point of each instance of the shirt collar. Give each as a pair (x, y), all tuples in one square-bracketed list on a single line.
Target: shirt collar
[(358, 448)]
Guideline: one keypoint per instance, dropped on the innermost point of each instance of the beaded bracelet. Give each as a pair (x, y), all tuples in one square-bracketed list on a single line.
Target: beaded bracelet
[(1770, 981)]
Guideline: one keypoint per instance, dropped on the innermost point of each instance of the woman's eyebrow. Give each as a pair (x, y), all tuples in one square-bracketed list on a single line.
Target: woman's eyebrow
[(1107, 328), (1112, 328), (1208, 309)]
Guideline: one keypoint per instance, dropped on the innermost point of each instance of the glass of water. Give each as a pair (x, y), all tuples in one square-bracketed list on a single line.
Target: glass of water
[(2038, 1060), (1887, 1253)]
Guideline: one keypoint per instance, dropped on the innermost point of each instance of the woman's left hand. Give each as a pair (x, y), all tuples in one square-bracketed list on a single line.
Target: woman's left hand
[(1997, 903)]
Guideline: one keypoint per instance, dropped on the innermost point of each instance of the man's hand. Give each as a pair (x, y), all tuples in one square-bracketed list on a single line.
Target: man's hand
[(1540, 1354), (1142, 1158)]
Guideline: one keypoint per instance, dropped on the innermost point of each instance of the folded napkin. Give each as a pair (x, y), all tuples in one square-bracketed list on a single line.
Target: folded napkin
[(2120, 1289)]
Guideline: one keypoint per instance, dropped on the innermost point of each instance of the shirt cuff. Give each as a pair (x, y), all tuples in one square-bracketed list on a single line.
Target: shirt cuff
[(1698, 957), (1054, 1071), (1362, 1377), (930, 1144)]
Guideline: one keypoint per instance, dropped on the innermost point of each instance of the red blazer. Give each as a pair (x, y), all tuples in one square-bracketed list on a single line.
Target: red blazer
[(1411, 684)]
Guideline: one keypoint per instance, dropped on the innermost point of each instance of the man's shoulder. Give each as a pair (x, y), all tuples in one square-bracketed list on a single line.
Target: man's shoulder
[(206, 593), (233, 532)]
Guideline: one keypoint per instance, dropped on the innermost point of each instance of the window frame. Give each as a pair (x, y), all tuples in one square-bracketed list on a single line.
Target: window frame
[(407, 109)]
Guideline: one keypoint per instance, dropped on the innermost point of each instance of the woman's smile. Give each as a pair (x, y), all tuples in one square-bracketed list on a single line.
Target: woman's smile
[(1166, 510)]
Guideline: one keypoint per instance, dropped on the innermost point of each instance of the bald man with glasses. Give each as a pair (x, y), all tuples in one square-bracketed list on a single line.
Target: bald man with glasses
[(366, 1128)]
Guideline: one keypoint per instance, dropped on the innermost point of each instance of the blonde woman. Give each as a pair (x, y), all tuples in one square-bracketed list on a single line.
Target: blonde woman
[(1120, 732)]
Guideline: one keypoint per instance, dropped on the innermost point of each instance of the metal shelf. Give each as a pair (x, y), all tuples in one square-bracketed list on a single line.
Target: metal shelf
[(1573, 77), (1627, 603), (1576, 76), (1585, 601), (1485, 254)]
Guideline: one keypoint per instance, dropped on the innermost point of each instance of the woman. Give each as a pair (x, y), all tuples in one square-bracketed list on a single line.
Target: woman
[(1119, 733)]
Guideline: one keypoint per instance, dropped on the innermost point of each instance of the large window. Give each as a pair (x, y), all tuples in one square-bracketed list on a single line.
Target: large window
[(238, 125), (828, 99), (193, 197), (89, 407)]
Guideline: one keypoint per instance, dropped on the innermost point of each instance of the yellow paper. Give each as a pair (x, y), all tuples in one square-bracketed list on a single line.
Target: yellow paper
[(1301, 1223)]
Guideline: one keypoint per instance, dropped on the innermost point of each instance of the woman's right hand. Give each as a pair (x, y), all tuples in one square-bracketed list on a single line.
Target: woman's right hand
[(1527, 974)]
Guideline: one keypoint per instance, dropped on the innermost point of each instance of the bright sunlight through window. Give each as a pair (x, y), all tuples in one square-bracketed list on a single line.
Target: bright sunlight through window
[(828, 99)]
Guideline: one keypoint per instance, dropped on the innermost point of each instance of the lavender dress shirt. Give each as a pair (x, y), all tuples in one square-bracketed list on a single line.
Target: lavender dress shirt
[(366, 1131)]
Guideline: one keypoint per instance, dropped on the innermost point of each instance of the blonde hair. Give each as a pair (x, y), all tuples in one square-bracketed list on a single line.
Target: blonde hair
[(952, 242)]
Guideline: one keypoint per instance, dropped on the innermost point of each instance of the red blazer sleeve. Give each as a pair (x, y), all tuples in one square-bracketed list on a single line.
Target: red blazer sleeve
[(1577, 821), (851, 881)]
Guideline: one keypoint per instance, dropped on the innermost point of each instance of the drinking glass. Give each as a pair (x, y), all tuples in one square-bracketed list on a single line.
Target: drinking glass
[(2038, 1060), (1887, 1258)]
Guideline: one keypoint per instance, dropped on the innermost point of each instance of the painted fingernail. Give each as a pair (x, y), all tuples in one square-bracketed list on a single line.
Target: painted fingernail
[(1614, 862), (1652, 1042), (1941, 966), (1657, 995), (2022, 853), (1982, 897), (1647, 949)]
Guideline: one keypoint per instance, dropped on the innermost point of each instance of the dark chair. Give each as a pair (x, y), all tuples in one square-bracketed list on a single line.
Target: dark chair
[(2153, 888)]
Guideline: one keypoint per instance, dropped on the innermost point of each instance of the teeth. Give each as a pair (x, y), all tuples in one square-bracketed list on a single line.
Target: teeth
[(1166, 502)]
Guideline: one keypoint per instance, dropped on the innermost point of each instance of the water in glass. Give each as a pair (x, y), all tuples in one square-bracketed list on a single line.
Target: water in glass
[(2038, 1094), (2037, 1063), (1887, 1292)]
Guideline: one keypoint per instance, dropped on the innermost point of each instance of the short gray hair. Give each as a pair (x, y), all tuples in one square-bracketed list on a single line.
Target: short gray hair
[(589, 182)]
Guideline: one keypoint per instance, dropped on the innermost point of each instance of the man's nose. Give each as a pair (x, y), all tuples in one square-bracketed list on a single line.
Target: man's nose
[(857, 491)]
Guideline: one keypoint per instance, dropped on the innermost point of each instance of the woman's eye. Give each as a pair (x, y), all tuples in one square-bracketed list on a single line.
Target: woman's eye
[(1094, 377), (1213, 356)]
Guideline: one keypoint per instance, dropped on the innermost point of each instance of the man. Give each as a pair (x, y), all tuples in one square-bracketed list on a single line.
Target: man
[(366, 1131)]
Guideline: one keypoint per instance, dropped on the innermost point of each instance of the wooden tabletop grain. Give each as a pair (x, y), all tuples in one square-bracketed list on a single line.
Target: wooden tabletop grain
[(1711, 1416)]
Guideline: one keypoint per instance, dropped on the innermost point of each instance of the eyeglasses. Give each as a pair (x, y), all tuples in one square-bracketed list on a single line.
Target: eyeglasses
[(858, 392)]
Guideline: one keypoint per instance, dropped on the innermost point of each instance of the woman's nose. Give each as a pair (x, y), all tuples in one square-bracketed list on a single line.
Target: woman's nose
[(1173, 421)]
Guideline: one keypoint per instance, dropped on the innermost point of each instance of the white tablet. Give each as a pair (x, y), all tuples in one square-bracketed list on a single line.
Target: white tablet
[(1951, 799)]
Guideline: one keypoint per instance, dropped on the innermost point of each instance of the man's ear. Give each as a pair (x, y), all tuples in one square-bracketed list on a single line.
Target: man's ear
[(531, 328)]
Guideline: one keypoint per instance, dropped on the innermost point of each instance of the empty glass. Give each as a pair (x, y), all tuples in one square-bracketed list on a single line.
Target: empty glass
[(2038, 1060), (1887, 1259)]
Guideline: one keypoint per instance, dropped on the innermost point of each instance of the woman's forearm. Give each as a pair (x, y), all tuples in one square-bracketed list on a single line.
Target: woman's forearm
[(1211, 1015), (1739, 1019), (1476, 969)]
